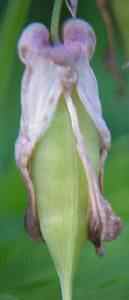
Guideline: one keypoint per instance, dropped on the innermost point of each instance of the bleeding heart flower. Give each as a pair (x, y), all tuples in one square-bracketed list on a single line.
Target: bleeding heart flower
[(63, 143)]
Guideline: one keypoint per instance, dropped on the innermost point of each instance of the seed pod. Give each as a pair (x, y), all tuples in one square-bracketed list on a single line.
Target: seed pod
[(61, 148)]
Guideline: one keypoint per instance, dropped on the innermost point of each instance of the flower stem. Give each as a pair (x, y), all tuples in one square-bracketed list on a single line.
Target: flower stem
[(66, 288), (55, 20)]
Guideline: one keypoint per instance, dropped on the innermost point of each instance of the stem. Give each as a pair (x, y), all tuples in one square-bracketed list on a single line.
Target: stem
[(66, 288), (55, 20)]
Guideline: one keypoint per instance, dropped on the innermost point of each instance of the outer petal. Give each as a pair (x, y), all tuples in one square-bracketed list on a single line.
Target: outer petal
[(87, 89), (41, 90), (33, 39), (103, 224)]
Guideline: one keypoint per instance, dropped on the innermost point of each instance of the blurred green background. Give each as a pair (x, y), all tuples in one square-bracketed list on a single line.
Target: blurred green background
[(26, 269)]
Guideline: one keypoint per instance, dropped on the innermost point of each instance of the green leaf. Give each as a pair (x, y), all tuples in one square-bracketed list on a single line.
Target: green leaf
[(14, 19), (13, 22)]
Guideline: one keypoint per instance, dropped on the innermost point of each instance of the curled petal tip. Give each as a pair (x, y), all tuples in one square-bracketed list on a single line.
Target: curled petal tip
[(32, 225), (106, 228), (33, 38), (76, 30)]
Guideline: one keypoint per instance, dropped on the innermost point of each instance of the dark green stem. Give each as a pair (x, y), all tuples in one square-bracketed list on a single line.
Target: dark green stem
[(55, 20)]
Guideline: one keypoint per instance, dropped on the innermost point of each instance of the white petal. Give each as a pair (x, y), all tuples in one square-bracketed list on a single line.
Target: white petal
[(40, 93), (83, 153), (41, 90), (87, 88), (103, 224)]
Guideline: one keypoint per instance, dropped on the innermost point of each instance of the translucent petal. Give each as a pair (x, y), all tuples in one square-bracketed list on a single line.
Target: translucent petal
[(41, 90), (87, 88), (40, 93)]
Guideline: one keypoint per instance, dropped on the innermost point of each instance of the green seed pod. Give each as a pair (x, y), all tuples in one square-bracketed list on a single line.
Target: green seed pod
[(62, 145), (62, 193)]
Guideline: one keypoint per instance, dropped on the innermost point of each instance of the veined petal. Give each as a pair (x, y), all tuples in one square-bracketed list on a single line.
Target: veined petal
[(78, 31), (103, 224), (34, 38), (41, 90), (40, 93), (87, 89)]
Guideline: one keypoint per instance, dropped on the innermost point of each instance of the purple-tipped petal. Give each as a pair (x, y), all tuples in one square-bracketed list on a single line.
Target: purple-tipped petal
[(63, 55), (33, 39), (80, 31)]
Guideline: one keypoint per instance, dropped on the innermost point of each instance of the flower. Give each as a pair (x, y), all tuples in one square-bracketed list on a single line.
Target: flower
[(62, 73)]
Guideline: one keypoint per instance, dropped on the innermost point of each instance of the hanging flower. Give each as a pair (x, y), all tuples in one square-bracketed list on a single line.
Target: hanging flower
[(63, 142)]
